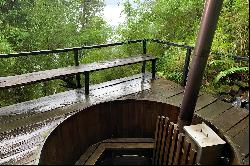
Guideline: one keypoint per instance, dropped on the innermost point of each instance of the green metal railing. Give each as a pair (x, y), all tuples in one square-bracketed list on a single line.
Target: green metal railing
[(144, 42)]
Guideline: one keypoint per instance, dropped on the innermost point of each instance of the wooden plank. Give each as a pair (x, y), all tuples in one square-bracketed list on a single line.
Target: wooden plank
[(129, 145), (159, 137), (94, 157), (129, 140), (98, 96), (242, 125), (20, 158), (230, 118), (175, 100), (103, 146), (186, 151), (168, 143), (213, 110), (242, 141), (163, 140), (203, 101), (23, 79), (178, 153), (32, 162), (43, 104), (173, 145), (26, 125), (156, 138), (161, 90), (192, 159), (84, 157)]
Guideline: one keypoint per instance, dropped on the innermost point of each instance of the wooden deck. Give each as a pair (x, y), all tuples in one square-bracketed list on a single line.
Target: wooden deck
[(25, 126)]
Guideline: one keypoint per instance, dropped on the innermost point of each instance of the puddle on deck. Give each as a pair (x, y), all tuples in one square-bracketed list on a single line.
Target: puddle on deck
[(23, 147)]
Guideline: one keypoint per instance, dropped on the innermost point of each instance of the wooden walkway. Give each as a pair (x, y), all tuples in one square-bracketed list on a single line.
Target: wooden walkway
[(25, 126)]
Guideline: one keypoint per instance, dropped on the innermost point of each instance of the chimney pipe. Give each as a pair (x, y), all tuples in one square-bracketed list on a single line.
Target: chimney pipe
[(201, 52)]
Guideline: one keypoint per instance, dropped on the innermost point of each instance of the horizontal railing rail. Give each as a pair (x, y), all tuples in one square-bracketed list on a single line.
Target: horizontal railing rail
[(170, 43), (62, 50), (75, 50)]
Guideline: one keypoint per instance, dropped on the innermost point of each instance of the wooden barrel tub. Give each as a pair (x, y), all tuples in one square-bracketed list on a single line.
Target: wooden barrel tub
[(115, 119)]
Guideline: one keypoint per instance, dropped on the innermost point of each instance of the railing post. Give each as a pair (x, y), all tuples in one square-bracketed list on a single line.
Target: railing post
[(186, 67), (76, 60), (153, 68), (86, 75), (144, 47)]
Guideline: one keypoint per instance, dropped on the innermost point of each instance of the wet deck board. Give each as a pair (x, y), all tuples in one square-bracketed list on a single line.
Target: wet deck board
[(204, 101), (20, 129), (12, 81), (213, 110), (242, 125), (230, 118), (38, 117), (242, 140), (44, 104)]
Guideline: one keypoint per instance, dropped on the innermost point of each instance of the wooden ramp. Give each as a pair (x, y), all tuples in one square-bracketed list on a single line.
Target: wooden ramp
[(25, 126)]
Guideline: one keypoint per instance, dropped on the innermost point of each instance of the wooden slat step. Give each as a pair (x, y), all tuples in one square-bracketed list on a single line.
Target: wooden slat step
[(84, 157), (161, 122), (94, 152), (168, 143), (12, 81)]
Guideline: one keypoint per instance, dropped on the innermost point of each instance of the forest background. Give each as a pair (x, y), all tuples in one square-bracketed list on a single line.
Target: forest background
[(28, 25)]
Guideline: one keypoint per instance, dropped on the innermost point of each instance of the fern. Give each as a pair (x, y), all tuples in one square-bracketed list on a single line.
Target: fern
[(230, 71)]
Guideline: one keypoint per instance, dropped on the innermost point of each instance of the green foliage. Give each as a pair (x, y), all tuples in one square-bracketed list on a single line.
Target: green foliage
[(29, 25), (233, 70), (45, 24), (170, 65), (162, 19), (179, 21)]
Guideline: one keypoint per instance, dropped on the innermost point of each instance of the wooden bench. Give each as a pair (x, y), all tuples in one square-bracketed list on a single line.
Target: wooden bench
[(24, 79), (171, 147), (94, 152)]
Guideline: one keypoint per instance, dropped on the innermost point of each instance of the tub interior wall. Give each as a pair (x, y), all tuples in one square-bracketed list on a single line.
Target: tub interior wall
[(116, 119)]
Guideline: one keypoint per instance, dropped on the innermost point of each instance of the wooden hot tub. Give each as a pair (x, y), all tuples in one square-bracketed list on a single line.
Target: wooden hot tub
[(115, 119)]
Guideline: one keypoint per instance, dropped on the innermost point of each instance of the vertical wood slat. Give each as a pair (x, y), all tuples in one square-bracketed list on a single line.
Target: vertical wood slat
[(171, 148), (156, 137), (168, 143), (192, 159), (178, 153), (186, 151), (173, 145), (161, 126), (163, 140)]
